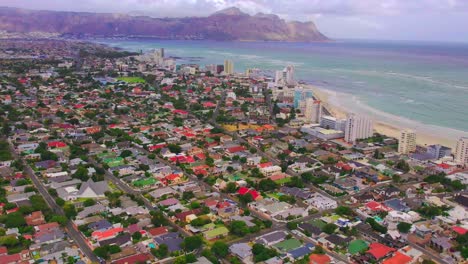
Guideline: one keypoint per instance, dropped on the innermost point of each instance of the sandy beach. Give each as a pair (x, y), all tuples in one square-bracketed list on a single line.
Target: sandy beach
[(340, 104)]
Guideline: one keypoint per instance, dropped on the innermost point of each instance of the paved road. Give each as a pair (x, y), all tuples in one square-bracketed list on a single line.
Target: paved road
[(73, 233)]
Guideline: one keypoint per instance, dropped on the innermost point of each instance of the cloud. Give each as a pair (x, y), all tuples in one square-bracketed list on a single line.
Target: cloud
[(289, 8)]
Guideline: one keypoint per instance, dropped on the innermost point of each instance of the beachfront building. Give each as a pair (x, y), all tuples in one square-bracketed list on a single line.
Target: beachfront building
[(461, 152), (330, 122), (312, 110), (285, 77), (301, 94), (438, 151), (358, 127), (407, 141), (228, 67)]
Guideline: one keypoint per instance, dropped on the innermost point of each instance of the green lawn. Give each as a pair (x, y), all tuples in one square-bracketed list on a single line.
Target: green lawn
[(132, 79)]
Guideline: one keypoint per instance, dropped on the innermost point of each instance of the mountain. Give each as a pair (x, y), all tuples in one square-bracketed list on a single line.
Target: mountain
[(228, 24)]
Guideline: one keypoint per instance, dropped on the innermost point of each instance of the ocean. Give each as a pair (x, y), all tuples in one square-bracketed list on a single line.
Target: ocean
[(400, 82)]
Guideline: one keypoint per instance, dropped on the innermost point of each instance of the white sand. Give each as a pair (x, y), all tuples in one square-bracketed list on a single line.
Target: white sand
[(339, 104)]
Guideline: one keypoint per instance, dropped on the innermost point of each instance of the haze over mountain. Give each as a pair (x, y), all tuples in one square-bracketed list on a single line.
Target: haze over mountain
[(227, 24)]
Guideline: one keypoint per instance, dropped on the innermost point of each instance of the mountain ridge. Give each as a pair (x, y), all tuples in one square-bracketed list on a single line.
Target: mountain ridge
[(227, 24)]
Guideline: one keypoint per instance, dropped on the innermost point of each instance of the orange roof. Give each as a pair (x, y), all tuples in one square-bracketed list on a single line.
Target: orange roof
[(398, 258), (319, 259)]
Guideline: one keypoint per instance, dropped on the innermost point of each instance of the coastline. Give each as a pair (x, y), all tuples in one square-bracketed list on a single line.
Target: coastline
[(340, 104)]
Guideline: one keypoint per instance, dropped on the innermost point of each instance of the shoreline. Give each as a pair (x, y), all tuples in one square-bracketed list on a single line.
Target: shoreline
[(385, 123)]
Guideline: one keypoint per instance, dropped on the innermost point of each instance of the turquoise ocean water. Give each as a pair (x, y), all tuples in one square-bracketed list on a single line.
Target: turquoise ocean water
[(424, 82)]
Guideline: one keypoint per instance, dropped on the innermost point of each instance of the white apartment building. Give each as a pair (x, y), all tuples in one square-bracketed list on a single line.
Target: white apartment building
[(407, 142), (461, 151), (270, 170), (358, 127)]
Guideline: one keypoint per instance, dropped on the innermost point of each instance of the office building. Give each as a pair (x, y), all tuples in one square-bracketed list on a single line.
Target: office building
[(219, 69), (358, 127), (407, 142), (461, 151), (228, 67)]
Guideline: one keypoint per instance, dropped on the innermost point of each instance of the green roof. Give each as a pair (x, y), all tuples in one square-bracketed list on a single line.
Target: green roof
[(219, 231), (357, 246), (288, 245)]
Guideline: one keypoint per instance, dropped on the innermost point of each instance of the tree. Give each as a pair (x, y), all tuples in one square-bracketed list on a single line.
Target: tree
[(161, 252), (239, 228), (262, 253), (246, 198), (231, 187), (292, 225), (220, 249), (295, 182), (376, 226), (70, 211), (125, 153), (59, 201), (267, 185), (136, 236), (89, 202), (13, 220), (344, 210), (62, 220), (174, 148), (329, 228), (403, 166), (81, 173), (404, 227), (192, 243)]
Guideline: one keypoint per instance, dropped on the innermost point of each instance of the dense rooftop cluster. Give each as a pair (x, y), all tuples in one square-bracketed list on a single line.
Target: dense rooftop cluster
[(126, 158)]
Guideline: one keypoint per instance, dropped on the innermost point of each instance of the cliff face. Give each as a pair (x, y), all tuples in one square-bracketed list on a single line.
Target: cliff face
[(229, 24)]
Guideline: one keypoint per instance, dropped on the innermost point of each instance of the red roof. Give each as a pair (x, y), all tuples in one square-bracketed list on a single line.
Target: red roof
[(265, 164), (79, 106), (460, 230), (236, 149), (158, 231), (379, 250), (172, 177), (376, 206), (319, 259), (157, 146), (7, 259), (444, 166), (140, 258), (100, 235), (179, 111), (3, 250), (398, 258), (56, 144), (254, 194), (209, 104), (243, 190)]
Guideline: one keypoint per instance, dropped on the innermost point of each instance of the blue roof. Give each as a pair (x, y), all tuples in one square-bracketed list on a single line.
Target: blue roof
[(300, 252), (397, 204)]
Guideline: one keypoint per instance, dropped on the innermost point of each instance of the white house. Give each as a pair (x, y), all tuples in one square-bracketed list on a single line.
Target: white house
[(321, 202)]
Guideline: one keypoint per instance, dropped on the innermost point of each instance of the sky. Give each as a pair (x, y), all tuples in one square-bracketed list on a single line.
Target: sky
[(422, 20)]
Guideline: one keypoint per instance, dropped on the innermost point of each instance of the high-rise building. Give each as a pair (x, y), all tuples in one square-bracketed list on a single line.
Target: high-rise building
[(161, 52), (312, 110), (461, 151), (228, 67), (438, 151), (219, 69), (407, 142), (358, 127), (286, 76), (301, 94)]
